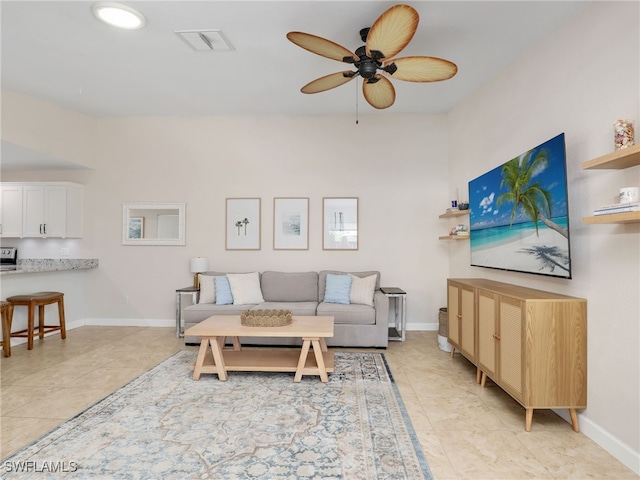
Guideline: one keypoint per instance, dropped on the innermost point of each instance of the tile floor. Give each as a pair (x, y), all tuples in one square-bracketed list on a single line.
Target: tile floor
[(467, 432)]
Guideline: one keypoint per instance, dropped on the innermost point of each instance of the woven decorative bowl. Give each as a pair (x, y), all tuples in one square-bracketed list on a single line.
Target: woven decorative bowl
[(266, 318)]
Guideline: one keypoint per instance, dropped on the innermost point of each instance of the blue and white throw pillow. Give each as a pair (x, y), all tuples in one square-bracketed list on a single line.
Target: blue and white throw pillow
[(223, 291), (337, 288)]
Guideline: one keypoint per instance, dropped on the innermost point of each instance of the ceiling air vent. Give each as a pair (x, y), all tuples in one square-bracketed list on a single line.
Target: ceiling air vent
[(205, 40)]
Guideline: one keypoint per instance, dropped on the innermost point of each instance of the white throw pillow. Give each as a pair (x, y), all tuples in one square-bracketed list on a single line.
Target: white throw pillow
[(245, 288), (362, 289), (207, 289)]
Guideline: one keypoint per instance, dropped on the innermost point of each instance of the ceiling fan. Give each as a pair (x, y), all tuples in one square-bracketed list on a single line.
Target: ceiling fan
[(389, 34)]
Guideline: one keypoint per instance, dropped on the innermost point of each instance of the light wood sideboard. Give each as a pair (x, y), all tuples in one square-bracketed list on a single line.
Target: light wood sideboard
[(531, 343)]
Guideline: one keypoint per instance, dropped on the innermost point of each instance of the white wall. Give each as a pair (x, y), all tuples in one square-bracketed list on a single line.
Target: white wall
[(399, 175), (578, 83)]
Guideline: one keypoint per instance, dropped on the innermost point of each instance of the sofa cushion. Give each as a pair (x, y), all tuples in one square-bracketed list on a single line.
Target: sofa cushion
[(362, 289), (337, 288), (245, 288), (207, 289), (290, 287), (223, 291), (297, 308), (322, 279), (353, 314)]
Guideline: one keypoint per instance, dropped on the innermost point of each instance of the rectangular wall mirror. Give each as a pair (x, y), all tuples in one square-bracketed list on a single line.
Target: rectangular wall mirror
[(153, 224)]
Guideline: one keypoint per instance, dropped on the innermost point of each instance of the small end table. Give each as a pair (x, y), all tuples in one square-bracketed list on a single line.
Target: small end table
[(194, 292), (397, 330)]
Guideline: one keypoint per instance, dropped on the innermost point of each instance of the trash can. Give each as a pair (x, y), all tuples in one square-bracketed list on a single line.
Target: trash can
[(443, 329)]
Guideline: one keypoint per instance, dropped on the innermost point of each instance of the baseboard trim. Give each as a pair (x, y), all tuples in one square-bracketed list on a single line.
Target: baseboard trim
[(620, 450), (422, 327)]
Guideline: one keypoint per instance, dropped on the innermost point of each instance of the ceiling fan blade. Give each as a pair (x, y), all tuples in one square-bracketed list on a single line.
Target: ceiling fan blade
[(423, 69), (392, 31), (321, 46), (380, 94), (328, 82)]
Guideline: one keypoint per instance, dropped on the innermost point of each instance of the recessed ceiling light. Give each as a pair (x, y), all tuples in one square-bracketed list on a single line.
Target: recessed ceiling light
[(118, 15)]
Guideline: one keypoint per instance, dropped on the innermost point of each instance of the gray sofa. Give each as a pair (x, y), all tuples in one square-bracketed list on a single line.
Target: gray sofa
[(355, 325)]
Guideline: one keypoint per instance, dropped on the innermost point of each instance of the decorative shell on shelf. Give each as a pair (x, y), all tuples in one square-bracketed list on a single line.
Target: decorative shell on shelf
[(266, 318)]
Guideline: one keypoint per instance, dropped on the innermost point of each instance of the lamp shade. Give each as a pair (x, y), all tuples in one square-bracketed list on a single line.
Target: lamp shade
[(199, 264)]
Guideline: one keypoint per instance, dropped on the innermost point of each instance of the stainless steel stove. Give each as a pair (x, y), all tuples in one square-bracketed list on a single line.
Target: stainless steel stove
[(8, 258)]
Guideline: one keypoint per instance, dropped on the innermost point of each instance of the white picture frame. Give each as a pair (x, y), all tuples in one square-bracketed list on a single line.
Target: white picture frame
[(144, 228), (242, 220), (291, 223), (340, 223)]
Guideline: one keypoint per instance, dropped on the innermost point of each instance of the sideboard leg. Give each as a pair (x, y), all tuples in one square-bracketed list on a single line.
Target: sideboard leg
[(528, 419), (574, 419), (453, 351)]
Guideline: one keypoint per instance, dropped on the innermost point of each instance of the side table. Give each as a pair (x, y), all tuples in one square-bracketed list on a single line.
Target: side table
[(194, 292), (397, 330)]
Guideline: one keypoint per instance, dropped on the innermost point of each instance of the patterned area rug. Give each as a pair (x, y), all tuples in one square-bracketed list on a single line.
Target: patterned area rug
[(164, 425)]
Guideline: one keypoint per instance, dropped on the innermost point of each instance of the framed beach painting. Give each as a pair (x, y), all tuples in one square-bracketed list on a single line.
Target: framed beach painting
[(340, 223), (291, 223), (519, 213), (242, 222)]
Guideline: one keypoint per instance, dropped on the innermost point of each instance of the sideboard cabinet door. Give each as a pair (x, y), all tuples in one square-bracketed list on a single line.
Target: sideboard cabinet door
[(461, 314), (488, 330), (511, 349)]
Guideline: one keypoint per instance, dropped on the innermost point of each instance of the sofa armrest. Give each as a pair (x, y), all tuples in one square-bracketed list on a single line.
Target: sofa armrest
[(381, 305)]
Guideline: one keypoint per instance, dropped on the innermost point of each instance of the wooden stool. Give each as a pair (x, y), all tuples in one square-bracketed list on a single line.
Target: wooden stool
[(7, 311), (39, 300)]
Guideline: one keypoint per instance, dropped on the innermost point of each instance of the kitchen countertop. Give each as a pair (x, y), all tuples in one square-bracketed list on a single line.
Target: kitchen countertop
[(37, 265)]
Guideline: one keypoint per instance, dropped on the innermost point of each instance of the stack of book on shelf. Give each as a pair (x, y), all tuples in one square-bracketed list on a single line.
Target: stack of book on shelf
[(617, 208)]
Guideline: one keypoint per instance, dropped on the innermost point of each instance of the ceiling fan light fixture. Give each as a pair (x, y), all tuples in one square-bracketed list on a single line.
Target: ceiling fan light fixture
[(118, 15), (388, 35)]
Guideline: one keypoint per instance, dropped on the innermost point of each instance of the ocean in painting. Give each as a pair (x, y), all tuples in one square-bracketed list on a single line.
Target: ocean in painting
[(495, 236)]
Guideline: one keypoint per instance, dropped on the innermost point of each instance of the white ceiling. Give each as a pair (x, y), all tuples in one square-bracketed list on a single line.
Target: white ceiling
[(58, 51)]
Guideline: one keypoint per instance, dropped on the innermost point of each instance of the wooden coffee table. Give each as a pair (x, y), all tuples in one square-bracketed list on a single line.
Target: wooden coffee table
[(219, 360)]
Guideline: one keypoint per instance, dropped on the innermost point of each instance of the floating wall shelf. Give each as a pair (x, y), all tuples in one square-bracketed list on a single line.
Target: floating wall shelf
[(618, 160)]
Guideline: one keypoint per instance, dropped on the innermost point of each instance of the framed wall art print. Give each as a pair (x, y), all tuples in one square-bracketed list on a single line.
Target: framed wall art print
[(291, 223), (242, 222), (340, 223)]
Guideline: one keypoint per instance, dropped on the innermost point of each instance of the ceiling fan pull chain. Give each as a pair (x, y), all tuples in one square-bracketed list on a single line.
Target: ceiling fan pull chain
[(356, 101)]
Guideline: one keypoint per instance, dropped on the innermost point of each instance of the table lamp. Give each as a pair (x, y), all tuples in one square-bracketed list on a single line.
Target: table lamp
[(198, 265)]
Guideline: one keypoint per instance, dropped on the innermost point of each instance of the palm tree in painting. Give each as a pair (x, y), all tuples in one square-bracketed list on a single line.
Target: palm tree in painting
[(517, 175)]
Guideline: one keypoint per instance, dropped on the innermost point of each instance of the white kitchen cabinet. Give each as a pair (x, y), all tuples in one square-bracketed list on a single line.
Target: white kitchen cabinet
[(45, 210), (10, 211)]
